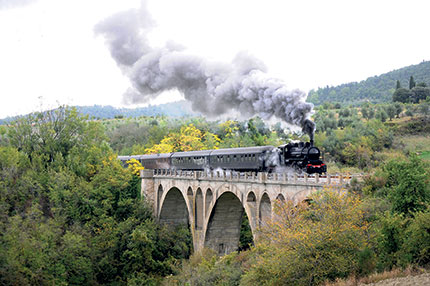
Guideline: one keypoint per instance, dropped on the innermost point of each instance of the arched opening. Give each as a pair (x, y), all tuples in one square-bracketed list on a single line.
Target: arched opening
[(223, 230), (251, 203), (174, 210), (265, 209), (190, 196), (246, 238), (199, 209), (208, 200), (280, 197), (159, 197), (174, 213)]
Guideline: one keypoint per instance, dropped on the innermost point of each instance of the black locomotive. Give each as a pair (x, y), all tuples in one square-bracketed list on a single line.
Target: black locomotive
[(302, 156)]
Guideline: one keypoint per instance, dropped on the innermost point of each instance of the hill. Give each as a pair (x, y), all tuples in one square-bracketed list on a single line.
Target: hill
[(376, 89), (172, 109)]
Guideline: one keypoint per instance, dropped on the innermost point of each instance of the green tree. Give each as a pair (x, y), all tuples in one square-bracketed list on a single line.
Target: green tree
[(371, 113), (399, 109), (398, 84), (402, 95), (364, 112), (48, 133), (411, 82), (407, 185), (424, 108), (416, 245), (391, 111), (419, 94), (382, 115)]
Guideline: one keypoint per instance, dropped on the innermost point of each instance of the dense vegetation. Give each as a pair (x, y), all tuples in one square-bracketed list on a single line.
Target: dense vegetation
[(377, 89), (70, 214)]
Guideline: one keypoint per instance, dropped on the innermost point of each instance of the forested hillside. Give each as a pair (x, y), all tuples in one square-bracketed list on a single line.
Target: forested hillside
[(376, 89), (172, 109)]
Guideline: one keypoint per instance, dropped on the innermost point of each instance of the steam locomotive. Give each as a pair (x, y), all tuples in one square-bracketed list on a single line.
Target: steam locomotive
[(302, 156)]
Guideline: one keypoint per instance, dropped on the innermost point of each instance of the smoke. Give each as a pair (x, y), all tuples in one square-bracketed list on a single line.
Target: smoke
[(213, 89), (308, 127)]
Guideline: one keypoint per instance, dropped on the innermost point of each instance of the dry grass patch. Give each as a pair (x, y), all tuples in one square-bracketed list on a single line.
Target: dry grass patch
[(377, 277)]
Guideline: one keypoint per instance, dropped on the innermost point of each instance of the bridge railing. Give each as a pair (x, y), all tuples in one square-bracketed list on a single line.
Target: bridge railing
[(286, 178)]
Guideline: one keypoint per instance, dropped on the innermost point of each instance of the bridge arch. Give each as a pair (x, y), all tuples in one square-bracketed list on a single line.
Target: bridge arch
[(280, 197), (265, 213), (174, 208), (251, 210), (159, 197), (223, 227), (190, 196), (198, 209), (208, 201)]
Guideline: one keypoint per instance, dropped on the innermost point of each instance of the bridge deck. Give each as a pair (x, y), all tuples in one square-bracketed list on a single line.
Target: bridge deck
[(253, 177)]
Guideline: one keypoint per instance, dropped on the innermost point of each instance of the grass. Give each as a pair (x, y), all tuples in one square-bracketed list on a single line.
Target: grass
[(425, 155), (414, 144)]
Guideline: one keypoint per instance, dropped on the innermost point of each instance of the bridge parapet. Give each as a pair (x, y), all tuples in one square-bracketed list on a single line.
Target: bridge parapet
[(268, 178)]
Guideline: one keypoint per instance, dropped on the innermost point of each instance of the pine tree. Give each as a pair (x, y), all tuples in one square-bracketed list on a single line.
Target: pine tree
[(411, 83), (398, 84)]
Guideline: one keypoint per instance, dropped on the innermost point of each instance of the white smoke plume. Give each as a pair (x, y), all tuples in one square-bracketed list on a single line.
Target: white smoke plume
[(213, 89)]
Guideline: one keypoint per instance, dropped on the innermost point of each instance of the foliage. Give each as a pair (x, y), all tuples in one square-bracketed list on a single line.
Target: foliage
[(406, 185), (414, 95), (309, 243), (135, 166), (70, 212), (417, 239), (357, 144), (189, 139), (205, 268)]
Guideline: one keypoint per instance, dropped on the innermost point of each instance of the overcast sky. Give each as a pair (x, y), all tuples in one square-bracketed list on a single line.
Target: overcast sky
[(49, 53)]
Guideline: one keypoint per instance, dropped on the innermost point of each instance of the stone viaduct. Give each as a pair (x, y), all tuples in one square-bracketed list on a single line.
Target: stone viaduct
[(212, 203)]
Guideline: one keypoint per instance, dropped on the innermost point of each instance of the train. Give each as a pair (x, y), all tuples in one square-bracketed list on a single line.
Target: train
[(302, 156)]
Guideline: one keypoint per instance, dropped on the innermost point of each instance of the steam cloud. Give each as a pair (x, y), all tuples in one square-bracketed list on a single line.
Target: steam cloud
[(212, 88)]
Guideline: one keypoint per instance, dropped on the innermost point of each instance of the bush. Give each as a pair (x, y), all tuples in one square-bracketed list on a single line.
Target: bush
[(310, 243), (417, 239)]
